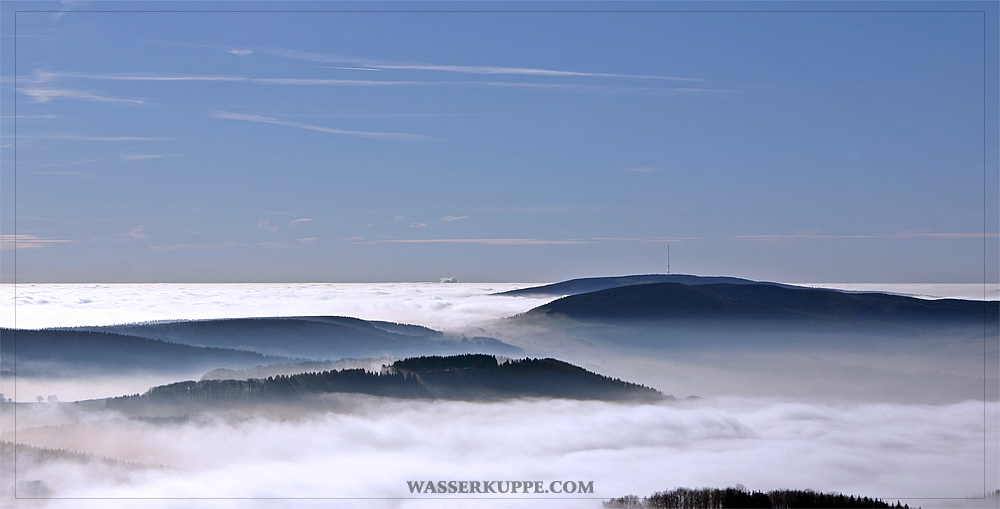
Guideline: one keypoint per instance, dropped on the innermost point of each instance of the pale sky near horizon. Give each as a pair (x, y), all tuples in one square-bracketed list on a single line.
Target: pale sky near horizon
[(810, 144)]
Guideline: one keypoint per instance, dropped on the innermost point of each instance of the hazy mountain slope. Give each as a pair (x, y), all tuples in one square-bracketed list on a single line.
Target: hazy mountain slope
[(316, 337), (463, 377), (766, 339), (593, 284), (764, 304), (58, 353)]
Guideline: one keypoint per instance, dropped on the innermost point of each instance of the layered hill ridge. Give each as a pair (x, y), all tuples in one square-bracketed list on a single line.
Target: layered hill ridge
[(59, 353), (760, 303), (315, 337), (234, 344)]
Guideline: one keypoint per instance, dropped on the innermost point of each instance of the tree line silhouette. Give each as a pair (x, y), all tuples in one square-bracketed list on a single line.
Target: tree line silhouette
[(461, 377), (739, 497)]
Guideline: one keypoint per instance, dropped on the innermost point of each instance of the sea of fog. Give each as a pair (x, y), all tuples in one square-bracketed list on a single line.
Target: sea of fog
[(368, 447), (441, 306), (359, 451)]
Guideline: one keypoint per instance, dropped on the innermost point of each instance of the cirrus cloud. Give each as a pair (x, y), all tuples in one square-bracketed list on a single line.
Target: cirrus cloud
[(362, 134), (9, 242), (44, 95), (489, 242)]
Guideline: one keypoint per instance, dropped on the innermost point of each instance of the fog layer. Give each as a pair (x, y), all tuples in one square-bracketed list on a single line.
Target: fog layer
[(891, 420), (356, 446), (435, 305)]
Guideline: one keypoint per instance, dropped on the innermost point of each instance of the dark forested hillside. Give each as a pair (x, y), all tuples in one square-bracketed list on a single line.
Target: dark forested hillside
[(462, 377), (291, 368)]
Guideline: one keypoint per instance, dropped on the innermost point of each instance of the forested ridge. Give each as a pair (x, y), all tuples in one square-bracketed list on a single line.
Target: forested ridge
[(741, 498), (461, 377)]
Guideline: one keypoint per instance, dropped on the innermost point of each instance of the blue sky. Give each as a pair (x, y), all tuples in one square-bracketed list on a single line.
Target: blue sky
[(816, 145)]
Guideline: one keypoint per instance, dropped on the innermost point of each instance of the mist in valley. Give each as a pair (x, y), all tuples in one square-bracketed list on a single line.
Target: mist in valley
[(881, 416), (361, 446)]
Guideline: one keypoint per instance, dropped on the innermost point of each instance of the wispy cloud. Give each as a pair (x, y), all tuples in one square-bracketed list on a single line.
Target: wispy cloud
[(294, 222), (33, 117), (137, 233), (641, 169), (364, 134), (801, 236), (465, 69), (577, 87), (349, 68), (357, 83), (899, 235), (45, 76), (9, 242), (417, 225), (525, 71), (299, 243), (522, 241), (44, 95), (926, 234), (239, 52), (67, 7), (489, 242), (642, 239), (265, 224), (448, 219)]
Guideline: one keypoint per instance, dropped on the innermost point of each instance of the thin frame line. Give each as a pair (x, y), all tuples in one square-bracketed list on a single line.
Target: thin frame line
[(495, 11), (986, 304), (985, 257), (14, 254)]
